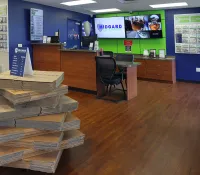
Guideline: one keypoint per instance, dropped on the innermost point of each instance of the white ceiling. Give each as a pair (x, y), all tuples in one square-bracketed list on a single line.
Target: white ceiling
[(137, 5)]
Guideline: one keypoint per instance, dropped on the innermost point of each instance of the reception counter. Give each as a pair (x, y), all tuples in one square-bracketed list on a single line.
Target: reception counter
[(79, 67), (46, 57), (157, 68)]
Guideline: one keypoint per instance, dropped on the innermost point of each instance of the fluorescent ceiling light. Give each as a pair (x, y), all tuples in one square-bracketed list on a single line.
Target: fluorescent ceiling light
[(178, 4), (78, 2), (106, 10)]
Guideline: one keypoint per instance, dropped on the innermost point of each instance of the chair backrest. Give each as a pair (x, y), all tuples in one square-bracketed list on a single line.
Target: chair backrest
[(106, 67), (125, 57), (108, 53)]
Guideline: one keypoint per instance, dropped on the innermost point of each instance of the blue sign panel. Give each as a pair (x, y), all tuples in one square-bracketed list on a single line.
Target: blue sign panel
[(19, 61)]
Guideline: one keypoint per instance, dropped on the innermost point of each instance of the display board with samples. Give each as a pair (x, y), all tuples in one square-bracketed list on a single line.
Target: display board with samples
[(187, 33), (3, 28)]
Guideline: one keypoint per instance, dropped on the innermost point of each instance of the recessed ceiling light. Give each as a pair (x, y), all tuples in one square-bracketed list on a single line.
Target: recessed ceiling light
[(106, 10), (178, 4), (78, 2)]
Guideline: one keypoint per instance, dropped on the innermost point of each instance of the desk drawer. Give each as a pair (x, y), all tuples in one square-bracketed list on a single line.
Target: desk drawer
[(159, 65), (153, 74), (159, 75), (167, 76)]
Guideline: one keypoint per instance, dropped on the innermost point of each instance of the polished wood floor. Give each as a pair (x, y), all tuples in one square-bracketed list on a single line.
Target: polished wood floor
[(157, 133)]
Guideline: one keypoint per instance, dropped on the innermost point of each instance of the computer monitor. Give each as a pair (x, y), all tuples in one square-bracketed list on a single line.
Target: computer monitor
[(86, 40), (54, 39)]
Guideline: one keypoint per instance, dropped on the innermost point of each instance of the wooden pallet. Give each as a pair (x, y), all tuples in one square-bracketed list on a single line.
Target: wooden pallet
[(20, 97), (36, 123), (56, 122), (10, 152), (44, 163), (8, 112), (41, 81)]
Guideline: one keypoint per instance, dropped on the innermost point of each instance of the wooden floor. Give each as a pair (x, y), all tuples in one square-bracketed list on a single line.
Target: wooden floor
[(157, 133)]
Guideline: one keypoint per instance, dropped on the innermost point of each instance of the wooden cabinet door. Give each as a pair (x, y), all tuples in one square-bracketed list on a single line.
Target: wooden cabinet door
[(141, 70)]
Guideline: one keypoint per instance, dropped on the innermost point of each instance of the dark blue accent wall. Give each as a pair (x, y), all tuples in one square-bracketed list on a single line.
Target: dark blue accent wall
[(19, 22), (185, 63)]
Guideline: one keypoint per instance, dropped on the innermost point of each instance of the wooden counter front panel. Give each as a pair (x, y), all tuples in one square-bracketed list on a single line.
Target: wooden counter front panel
[(46, 57), (141, 70), (79, 69), (164, 70)]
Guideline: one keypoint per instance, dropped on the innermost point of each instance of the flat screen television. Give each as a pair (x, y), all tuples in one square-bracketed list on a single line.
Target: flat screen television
[(36, 24), (112, 27), (144, 26)]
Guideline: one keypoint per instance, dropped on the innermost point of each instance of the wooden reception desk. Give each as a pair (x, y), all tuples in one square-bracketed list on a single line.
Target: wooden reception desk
[(79, 67), (46, 57)]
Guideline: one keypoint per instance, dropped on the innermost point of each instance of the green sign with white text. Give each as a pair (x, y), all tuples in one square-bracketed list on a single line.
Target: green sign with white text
[(187, 18), (182, 19), (195, 18)]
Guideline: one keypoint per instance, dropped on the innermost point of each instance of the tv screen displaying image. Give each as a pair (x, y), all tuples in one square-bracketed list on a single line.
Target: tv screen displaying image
[(144, 26), (112, 27)]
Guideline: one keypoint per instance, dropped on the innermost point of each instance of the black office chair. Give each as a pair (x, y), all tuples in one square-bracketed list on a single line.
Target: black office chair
[(125, 58), (108, 53), (106, 67)]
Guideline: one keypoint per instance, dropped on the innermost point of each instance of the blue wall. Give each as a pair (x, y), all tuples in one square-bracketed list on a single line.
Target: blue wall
[(19, 22), (185, 63)]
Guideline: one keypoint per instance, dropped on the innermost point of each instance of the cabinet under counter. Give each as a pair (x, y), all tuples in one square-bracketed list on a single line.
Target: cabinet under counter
[(157, 69)]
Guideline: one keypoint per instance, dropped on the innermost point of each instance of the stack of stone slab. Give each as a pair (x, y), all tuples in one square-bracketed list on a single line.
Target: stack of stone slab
[(36, 121)]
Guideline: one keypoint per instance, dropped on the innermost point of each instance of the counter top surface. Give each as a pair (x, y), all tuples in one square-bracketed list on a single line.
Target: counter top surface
[(46, 44), (168, 58), (77, 50), (127, 64)]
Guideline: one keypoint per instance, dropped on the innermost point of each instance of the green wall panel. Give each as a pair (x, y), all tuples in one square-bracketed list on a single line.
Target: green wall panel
[(117, 45), (109, 44), (163, 28), (127, 14), (161, 12), (157, 44), (106, 15)]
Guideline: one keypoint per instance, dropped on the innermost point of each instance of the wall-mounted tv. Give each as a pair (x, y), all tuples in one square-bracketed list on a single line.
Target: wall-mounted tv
[(36, 24), (145, 26), (112, 27)]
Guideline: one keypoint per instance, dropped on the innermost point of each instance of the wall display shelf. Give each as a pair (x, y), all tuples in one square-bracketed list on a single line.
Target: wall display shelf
[(4, 28)]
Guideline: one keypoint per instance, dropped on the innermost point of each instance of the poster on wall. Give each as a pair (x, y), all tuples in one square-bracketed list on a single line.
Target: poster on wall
[(3, 28), (187, 33), (128, 45), (36, 24)]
